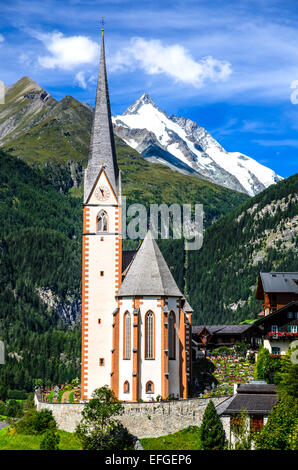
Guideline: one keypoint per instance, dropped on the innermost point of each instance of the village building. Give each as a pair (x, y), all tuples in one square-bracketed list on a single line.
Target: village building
[(209, 337), (136, 324), (276, 289), (279, 317), (280, 328), (256, 399)]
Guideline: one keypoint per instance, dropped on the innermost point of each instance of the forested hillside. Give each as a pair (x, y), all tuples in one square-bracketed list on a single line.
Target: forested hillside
[(40, 258), (261, 235)]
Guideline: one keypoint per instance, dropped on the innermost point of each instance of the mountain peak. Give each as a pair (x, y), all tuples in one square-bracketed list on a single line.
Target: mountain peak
[(144, 99), (185, 146)]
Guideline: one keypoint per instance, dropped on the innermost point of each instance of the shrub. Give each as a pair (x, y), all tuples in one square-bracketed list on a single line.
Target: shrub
[(60, 395), (3, 393), (50, 441), (71, 397), (35, 422), (221, 351), (50, 396), (44, 420), (14, 409), (3, 409), (282, 420), (240, 427), (268, 367), (17, 394), (241, 348)]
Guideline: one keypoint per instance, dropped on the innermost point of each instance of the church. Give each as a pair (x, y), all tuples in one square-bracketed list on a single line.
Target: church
[(136, 323)]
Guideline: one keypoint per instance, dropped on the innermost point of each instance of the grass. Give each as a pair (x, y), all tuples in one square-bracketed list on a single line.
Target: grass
[(10, 440), (187, 439)]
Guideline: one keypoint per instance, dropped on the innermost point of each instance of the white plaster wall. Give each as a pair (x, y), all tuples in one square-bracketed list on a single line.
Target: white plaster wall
[(283, 345)]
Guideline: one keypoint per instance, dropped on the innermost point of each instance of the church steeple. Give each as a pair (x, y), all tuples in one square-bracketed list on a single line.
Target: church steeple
[(102, 151)]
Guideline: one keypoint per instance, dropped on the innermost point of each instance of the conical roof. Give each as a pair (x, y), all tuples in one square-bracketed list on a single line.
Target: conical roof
[(102, 145), (149, 273)]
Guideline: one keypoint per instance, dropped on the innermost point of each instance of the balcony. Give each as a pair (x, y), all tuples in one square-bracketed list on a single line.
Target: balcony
[(282, 335)]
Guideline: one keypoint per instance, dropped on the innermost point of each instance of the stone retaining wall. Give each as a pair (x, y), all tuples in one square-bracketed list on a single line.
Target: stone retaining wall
[(141, 419)]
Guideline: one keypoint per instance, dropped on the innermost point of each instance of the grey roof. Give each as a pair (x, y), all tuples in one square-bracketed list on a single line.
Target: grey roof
[(252, 403), (280, 282), (221, 408), (186, 307), (257, 388), (222, 329), (148, 273), (102, 145)]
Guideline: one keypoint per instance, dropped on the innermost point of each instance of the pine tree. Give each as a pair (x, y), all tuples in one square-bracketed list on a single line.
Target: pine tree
[(212, 432)]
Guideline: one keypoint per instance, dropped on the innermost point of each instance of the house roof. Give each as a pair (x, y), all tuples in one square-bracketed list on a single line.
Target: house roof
[(253, 403), (257, 388), (148, 274), (102, 152), (289, 306), (223, 329), (277, 282)]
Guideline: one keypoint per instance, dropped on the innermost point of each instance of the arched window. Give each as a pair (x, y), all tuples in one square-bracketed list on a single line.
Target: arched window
[(126, 387), (149, 336), (171, 335), (149, 387), (126, 336), (102, 222)]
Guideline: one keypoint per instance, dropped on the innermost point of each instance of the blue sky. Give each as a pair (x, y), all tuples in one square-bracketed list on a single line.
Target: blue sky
[(228, 65)]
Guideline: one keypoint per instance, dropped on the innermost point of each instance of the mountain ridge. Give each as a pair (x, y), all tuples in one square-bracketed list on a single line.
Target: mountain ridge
[(163, 138)]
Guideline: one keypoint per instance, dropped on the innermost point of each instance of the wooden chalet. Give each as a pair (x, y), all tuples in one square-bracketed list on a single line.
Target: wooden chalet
[(276, 290), (279, 317), (209, 337), (280, 328)]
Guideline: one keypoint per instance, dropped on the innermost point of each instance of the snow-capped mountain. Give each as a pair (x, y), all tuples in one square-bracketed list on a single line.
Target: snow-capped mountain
[(187, 147)]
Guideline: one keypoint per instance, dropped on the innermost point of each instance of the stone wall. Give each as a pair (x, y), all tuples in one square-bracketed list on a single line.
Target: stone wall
[(141, 419)]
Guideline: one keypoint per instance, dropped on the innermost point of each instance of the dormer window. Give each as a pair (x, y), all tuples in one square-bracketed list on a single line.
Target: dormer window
[(102, 222)]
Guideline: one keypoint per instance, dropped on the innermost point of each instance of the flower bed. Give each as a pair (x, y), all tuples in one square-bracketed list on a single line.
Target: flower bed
[(228, 370)]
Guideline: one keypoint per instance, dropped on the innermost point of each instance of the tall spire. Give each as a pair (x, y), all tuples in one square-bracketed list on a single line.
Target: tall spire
[(102, 151)]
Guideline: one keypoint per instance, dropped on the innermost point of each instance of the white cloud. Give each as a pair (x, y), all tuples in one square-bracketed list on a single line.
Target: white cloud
[(81, 79), (174, 60), (67, 52), (277, 143), (2, 39)]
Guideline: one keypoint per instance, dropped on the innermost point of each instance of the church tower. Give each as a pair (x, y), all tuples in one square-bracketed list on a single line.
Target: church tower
[(102, 248), (136, 323)]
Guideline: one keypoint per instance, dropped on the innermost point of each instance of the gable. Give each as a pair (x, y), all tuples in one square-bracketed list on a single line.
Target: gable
[(108, 196)]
